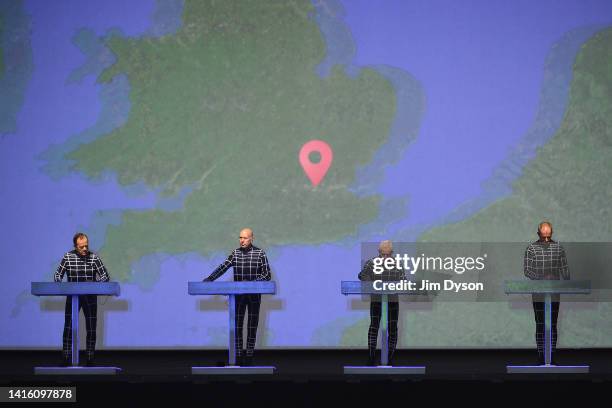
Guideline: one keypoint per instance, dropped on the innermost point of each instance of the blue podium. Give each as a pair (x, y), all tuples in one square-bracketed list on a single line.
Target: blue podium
[(231, 289), (547, 288), (367, 288), (74, 289)]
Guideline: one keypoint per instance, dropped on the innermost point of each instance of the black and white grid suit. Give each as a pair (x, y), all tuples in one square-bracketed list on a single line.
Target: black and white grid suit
[(250, 264), (387, 275), (545, 261), (77, 268)]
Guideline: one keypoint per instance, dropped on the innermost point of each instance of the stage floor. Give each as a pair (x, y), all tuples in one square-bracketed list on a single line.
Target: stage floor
[(306, 375)]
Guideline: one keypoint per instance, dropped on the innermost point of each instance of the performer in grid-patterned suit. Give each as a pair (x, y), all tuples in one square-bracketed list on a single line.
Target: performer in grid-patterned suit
[(545, 259), (81, 265), (385, 250), (250, 264)]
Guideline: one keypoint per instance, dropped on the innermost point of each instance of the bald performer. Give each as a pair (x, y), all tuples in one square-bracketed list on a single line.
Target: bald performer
[(385, 250), (250, 264), (545, 259)]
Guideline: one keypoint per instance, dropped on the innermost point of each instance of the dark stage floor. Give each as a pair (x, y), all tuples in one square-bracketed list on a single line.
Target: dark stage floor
[(309, 376)]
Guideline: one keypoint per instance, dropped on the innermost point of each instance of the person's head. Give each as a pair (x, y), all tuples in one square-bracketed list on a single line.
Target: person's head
[(246, 237), (545, 231), (81, 243), (385, 249)]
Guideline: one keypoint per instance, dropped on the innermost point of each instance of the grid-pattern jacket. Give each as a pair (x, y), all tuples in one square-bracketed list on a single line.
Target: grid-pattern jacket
[(367, 273), (393, 274), (79, 268), (545, 260), (250, 264)]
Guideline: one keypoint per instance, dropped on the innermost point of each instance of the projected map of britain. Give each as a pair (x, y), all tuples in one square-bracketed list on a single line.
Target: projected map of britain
[(161, 128), (221, 108)]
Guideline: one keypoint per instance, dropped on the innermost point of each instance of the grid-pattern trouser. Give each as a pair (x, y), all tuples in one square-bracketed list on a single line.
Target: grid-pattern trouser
[(89, 304), (244, 303), (539, 310), (392, 317)]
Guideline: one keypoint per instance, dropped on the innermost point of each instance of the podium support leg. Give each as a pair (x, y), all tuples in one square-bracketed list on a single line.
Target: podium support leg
[(547, 329), (232, 330), (384, 354), (75, 330)]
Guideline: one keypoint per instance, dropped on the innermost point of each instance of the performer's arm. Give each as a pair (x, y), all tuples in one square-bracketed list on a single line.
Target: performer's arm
[(529, 264), (221, 269), (61, 269), (366, 271), (100, 269), (264, 268), (565, 274)]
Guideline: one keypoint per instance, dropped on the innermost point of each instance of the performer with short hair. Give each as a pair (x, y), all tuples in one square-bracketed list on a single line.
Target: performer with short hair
[(250, 264), (81, 265), (385, 250), (545, 259)]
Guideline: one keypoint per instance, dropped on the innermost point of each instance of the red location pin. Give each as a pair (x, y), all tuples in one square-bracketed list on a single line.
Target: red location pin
[(316, 171)]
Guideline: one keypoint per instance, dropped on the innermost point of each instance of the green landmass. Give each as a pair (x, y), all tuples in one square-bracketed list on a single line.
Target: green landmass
[(223, 107), (569, 181)]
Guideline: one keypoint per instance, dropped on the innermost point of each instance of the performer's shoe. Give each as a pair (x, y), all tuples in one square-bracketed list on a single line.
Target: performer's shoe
[(240, 356), (66, 362), (248, 361), (91, 362), (372, 361)]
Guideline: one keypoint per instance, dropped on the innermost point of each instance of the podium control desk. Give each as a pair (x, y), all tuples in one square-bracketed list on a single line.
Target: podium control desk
[(368, 288), (547, 288), (73, 290), (231, 289)]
